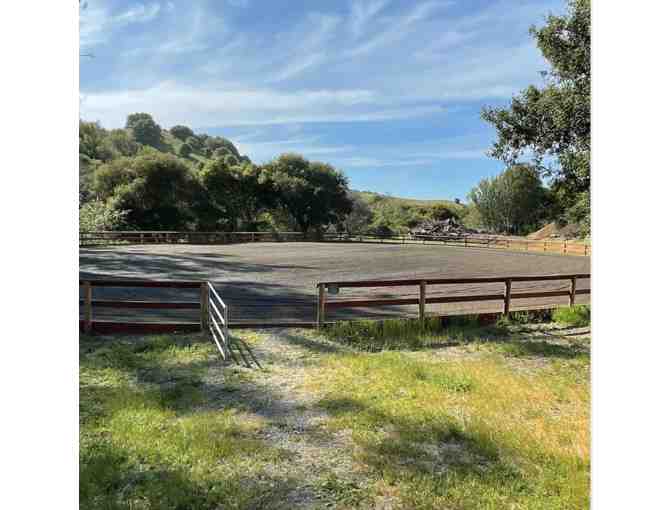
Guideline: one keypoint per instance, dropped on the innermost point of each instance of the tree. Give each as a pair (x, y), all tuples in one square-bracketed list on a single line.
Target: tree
[(237, 192), (144, 129), (156, 189), (98, 215), (442, 212), (314, 194), (122, 143), (216, 142), (185, 150), (220, 152), (359, 218), (92, 141), (181, 132), (512, 202), (554, 121)]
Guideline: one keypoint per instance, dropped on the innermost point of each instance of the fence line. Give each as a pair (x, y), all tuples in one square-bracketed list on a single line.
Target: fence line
[(89, 324), (323, 304), (467, 241)]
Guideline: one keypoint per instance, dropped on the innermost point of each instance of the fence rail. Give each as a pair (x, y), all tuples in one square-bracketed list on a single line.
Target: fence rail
[(89, 324), (174, 237), (323, 303), (469, 240)]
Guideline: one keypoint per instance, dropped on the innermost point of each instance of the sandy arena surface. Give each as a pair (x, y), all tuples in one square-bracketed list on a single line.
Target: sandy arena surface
[(276, 281)]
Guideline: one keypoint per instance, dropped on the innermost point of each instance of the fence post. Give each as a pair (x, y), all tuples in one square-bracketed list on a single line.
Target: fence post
[(564, 248), (421, 302), (508, 244), (572, 292), (507, 298), (545, 245), (320, 305), (585, 250), (88, 309), (204, 306), (465, 241)]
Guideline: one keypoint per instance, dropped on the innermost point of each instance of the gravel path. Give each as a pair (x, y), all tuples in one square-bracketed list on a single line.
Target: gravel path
[(319, 465), (294, 422)]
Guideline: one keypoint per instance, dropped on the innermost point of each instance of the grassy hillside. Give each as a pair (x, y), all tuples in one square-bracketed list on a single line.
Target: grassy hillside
[(399, 215), (373, 198)]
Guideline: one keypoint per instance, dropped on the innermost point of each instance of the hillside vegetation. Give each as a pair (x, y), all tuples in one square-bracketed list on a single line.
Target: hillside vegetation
[(146, 177), (399, 215)]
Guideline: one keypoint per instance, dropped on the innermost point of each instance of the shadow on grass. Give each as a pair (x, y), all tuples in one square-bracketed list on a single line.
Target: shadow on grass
[(413, 448), (410, 335), (111, 477)]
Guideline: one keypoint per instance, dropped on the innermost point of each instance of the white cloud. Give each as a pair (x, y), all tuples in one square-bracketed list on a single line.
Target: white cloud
[(362, 13), (97, 22), (397, 28), (213, 105)]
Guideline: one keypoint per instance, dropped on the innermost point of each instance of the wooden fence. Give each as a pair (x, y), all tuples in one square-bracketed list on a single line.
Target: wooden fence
[(89, 324), (467, 241), (470, 241), (323, 304), (175, 237)]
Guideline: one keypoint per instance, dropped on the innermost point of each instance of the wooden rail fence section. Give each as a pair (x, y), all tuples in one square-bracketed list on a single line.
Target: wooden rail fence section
[(89, 324), (472, 241), (323, 304)]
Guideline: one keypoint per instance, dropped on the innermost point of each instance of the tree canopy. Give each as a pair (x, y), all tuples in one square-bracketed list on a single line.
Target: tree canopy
[(314, 194), (144, 129), (177, 179), (154, 189), (512, 202), (553, 121)]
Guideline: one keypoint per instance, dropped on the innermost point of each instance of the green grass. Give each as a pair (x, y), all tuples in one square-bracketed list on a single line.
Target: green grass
[(468, 434), (148, 439), (451, 414), (411, 334), (576, 316)]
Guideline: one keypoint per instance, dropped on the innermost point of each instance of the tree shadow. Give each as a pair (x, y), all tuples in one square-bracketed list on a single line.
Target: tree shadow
[(408, 447), (114, 477)]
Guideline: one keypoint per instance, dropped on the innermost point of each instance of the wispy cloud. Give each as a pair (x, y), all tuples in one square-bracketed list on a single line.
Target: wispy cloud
[(97, 23), (362, 13), (397, 28), (372, 61), (212, 105)]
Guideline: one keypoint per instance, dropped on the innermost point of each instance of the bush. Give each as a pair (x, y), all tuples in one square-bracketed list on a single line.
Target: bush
[(181, 132), (185, 150), (576, 316), (98, 215)]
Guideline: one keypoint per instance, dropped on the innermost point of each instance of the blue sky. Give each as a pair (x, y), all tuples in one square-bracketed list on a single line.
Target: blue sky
[(388, 91)]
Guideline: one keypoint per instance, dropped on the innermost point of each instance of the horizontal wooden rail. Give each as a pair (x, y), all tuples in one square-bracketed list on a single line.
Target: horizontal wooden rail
[(323, 303), (451, 281), (156, 305), (88, 324), (143, 283), (214, 237)]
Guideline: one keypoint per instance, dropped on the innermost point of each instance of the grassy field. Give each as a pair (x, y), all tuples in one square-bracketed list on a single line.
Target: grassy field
[(495, 417)]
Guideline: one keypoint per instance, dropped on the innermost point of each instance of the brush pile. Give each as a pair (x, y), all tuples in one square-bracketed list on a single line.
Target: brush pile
[(442, 228)]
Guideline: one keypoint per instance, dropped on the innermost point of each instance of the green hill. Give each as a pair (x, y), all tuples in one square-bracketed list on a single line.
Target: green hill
[(398, 215)]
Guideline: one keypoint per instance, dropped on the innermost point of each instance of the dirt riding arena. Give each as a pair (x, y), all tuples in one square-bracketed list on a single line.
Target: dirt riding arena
[(275, 282)]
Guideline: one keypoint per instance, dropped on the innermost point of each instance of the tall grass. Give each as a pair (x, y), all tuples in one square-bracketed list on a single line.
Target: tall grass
[(463, 433), (395, 334), (577, 316)]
